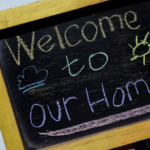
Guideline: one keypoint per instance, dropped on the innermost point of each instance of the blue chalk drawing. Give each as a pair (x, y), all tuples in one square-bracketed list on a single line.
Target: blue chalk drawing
[(32, 85)]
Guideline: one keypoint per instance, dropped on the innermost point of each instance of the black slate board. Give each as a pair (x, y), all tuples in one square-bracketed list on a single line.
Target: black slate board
[(103, 71)]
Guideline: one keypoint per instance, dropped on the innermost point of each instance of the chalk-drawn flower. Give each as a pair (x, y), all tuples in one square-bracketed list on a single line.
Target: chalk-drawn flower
[(143, 42)]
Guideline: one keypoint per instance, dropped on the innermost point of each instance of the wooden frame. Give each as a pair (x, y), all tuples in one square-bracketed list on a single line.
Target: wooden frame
[(104, 140), (40, 9)]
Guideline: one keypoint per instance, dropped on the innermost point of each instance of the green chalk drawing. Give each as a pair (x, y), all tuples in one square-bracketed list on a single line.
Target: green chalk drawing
[(143, 42)]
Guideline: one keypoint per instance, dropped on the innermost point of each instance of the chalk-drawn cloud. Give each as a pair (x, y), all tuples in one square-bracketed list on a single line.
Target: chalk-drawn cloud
[(33, 85)]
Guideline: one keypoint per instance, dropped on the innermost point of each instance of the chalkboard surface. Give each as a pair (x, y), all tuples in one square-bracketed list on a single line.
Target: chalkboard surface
[(79, 77)]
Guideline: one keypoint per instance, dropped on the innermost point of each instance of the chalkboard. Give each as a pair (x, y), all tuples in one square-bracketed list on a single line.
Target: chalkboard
[(79, 77)]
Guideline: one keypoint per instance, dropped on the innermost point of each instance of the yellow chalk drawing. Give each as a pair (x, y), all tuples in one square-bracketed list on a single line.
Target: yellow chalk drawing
[(143, 42)]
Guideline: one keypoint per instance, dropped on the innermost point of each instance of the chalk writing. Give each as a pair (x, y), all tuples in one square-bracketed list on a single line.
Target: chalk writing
[(134, 20), (96, 31), (105, 100), (106, 120), (67, 41), (91, 56), (59, 38), (44, 116), (123, 97), (59, 112), (110, 23), (65, 103), (41, 46), (101, 100), (69, 68), (65, 38), (30, 53), (143, 42), (99, 122), (134, 83)]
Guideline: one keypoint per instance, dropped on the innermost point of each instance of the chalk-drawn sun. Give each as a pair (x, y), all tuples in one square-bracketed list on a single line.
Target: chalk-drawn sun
[(143, 42)]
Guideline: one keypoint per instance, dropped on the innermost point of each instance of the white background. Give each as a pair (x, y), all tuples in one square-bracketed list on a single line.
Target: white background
[(2, 145), (6, 4)]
